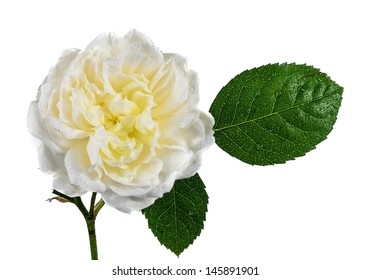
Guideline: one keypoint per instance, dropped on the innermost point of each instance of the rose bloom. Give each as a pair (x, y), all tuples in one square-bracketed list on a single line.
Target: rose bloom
[(119, 118)]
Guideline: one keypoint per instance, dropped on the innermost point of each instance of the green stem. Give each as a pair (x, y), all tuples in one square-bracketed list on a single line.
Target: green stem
[(92, 203), (78, 202), (89, 216), (90, 223), (98, 206), (92, 238), (70, 199)]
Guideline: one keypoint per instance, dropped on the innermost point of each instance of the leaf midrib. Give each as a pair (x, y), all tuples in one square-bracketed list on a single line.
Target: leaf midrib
[(176, 223), (269, 115)]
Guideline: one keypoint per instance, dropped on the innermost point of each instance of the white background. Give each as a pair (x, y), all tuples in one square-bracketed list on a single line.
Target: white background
[(307, 219)]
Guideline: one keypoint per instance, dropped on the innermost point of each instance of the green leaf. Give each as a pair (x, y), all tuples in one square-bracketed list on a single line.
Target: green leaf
[(178, 217), (275, 113)]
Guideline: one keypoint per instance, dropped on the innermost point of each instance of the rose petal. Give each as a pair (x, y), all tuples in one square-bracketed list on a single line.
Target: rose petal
[(126, 190), (77, 166), (66, 131), (49, 161), (126, 204), (141, 56), (208, 122), (38, 129), (96, 142), (61, 182)]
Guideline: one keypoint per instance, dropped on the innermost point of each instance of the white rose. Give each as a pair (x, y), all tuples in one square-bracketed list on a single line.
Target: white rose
[(119, 118)]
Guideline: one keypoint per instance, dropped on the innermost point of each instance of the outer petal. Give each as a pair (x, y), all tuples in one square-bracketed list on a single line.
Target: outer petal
[(49, 161), (167, 182), (62, 65), (77, 166), (38, 128), (181, 91), (140, 55), (62, 183), (53, 80), (124, 190), (208, 139), (208, 123), (175, 158), (126, 204)]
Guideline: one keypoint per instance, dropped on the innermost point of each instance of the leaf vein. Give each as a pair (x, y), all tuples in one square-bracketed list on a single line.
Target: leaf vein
[(278, 136), (238, 146), (268, 115), (257, 94), (238, 99)]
